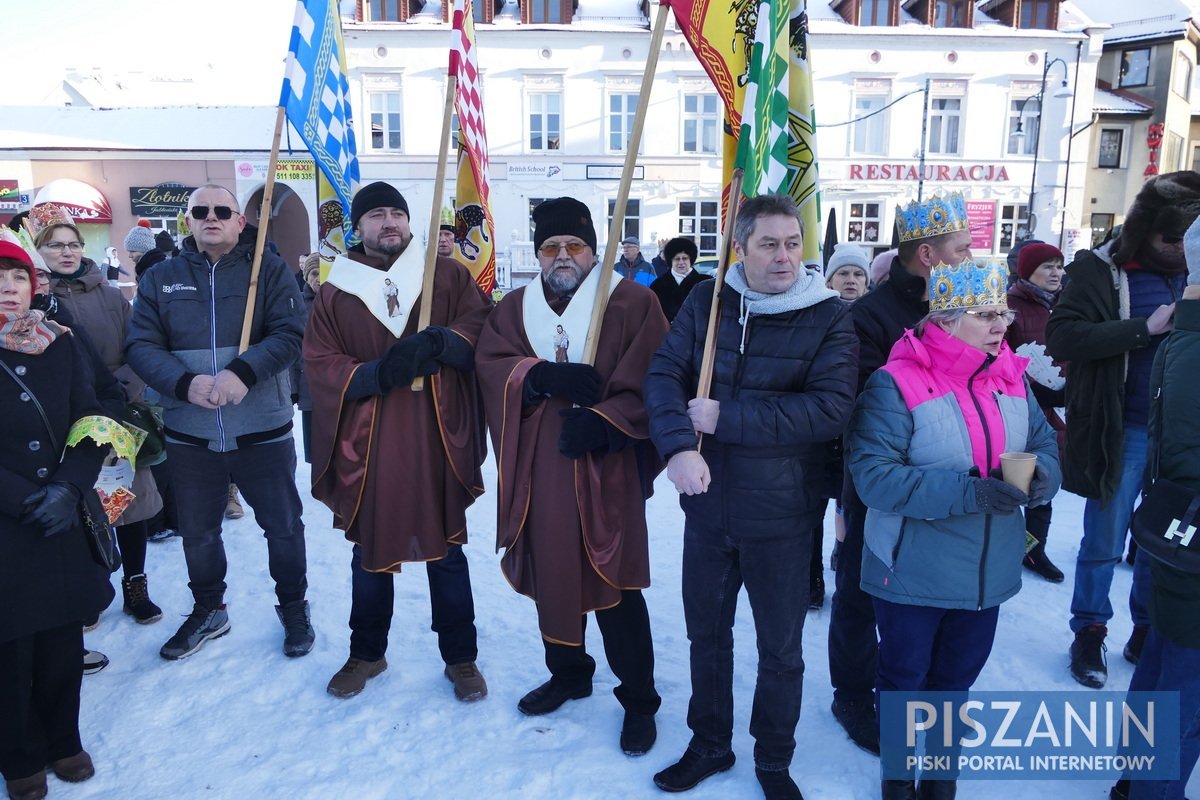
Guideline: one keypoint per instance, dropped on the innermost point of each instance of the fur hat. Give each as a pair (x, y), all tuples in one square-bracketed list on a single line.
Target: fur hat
[(376, 195), (846, 254), (139, 240), (1033, 255), (680, 245), (1166, 204), (563, 216)]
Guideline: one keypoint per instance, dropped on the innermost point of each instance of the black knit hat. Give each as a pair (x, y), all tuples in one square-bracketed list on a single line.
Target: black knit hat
[(449, 228), (376, 195), (563, 216), (680, 245), (1166, 204)]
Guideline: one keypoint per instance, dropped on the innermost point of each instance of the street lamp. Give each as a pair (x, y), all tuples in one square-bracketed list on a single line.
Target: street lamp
[(1061, 92)]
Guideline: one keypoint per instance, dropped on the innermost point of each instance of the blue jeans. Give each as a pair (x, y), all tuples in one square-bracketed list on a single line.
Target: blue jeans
[(266, 476), (775, 574), (453, 609), (1169, 667), (1104, 529)]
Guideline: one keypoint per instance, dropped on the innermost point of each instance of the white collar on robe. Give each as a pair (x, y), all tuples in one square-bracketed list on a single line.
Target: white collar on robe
[(367, 284), (541, 323)]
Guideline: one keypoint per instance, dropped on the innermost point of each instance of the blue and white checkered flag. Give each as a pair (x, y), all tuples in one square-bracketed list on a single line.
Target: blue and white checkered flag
[(316, 95)]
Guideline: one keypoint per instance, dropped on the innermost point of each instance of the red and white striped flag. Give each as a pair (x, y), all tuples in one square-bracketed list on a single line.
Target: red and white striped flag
[(474, 230)]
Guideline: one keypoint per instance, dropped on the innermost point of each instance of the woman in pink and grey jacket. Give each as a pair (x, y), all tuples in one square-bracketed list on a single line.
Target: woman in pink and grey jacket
[(944, 536)]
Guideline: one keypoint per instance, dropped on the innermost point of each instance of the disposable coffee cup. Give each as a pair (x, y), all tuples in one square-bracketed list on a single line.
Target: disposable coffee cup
[(1018, 469)]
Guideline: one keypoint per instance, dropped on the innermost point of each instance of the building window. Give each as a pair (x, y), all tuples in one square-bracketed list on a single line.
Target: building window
[(633, 218), (168, 224), (385, 120), (1135, 68), (1172, 152), (1196, 159), (534, 202), (945, 116), (1102, 225), (622, 108), (546, 12), (699, 123), (874, 12), (1012, 225), (864, 223), (1181, 79), (1024, 116), (870, 130), (699, 221), (950, 14), (1112, 143), (1037, 15), (545, 122), (387, 10)]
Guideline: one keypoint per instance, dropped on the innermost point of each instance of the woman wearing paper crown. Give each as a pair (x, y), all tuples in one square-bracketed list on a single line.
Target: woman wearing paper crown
[(49, 581), (944, 534), (103, 313)]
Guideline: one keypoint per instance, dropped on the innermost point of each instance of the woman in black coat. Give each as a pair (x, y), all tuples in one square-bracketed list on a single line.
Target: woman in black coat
[(49, 581), (674, 285)]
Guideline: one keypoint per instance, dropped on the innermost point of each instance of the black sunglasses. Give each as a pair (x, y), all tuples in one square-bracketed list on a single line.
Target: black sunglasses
[(201, 212)]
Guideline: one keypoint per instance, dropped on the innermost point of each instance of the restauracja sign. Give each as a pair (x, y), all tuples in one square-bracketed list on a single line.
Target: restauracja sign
[(933, 172)]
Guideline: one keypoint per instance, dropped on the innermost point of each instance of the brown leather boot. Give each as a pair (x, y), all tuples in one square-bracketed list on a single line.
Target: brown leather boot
[(468, 681), (74, 769), (353, 676), (31, 788)]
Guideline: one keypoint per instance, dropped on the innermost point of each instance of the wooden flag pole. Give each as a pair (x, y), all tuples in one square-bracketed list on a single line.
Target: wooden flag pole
[(604, 279), (264, 217), (714, 310), (435, 212)]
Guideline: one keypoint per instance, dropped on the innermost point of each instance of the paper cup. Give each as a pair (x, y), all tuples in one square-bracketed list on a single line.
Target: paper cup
[(1018, 469)]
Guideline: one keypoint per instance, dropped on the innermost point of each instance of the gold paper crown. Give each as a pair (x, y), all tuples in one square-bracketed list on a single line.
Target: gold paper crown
[(935, 216), (968, 285)]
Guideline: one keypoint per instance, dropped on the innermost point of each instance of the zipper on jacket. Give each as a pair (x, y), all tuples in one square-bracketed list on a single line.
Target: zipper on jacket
[(212, 338), (987, 449), (899, 541), (987, 536)]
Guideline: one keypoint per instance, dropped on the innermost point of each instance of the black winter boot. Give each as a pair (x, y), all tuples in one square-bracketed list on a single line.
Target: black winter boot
[(137, 600), (937, 790), (898, 790), (1037, 561)]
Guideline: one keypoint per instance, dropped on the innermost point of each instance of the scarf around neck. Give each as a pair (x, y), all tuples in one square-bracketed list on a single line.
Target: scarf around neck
[(29, 333)]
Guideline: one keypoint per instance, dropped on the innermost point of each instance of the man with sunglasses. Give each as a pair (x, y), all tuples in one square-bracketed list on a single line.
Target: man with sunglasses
[(575, 465), (1109, 321), (226, 414), (398, 468)]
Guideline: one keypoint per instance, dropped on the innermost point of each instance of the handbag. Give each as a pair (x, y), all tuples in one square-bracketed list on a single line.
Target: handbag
[(1165, 525), (100, 534)]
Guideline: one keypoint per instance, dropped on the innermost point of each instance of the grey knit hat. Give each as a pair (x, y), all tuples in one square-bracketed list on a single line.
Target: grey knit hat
[(139, 240)]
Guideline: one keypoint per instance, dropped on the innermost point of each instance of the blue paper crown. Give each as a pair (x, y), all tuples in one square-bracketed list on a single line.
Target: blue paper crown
[(935, 216), (968, 285)]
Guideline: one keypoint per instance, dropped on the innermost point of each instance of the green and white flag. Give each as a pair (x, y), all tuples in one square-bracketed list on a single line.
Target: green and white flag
[(763, 142)]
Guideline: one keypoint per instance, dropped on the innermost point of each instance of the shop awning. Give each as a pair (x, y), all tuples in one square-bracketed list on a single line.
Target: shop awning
[(83, 202)]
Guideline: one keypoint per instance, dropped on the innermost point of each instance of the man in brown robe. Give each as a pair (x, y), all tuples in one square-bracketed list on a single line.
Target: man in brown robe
[(398, 468), (575, 465)]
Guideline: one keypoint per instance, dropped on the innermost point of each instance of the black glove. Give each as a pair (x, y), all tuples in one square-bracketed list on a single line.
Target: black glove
[(54, 508), (994, 496), (585, 432), (1040, 486), (578, 383), (411, 356)]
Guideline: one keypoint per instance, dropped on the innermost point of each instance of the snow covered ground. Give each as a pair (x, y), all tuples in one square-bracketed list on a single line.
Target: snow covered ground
[(240, 720)]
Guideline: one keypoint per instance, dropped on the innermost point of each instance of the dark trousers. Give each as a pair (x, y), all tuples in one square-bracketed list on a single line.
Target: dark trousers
[(625, 629), (373, 598), (131, 540), (1037, 521), (40, 677), (853, 647), (306, 434), (775, 574), (266, 477), (932, 649), (167, 518)]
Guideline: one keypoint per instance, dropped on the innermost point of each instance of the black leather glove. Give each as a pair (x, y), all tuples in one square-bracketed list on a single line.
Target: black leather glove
[(54, 508), (578, 383), (411, 356), (1040, 486), (994, 496), (585, 431)]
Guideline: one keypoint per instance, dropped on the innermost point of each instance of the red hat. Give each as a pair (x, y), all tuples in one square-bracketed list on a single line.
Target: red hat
[(1033, 255), (17, 253)]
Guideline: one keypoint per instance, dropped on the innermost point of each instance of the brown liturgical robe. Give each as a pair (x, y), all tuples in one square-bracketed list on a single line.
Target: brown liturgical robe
[(397, 470), (574, 531)]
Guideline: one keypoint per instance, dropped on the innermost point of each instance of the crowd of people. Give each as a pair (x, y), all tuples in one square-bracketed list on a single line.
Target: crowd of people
[(890, 385)]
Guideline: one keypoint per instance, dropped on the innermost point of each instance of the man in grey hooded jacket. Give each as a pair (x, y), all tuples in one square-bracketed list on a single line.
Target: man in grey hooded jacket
[(783, 386)]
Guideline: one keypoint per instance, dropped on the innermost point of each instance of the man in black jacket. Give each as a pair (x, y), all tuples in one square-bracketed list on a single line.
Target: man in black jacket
[(783, 385), (227, 414), (930, 233)]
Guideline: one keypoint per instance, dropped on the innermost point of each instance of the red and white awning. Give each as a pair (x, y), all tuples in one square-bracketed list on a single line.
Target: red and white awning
[(83, 202)]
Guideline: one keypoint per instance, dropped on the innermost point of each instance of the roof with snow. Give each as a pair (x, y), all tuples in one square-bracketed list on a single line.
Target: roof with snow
[(1134, 21), (1106, 102)]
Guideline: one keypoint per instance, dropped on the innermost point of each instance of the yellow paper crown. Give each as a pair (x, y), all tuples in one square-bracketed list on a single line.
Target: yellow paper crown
[(935, 216), (968, 285)]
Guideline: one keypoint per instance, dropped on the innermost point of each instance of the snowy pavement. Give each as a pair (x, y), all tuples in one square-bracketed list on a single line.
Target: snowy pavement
[(240, 720)]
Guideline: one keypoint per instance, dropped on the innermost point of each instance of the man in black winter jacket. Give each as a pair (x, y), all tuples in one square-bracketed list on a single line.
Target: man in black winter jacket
[(227, 414), (880, 319), (783, 386)]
